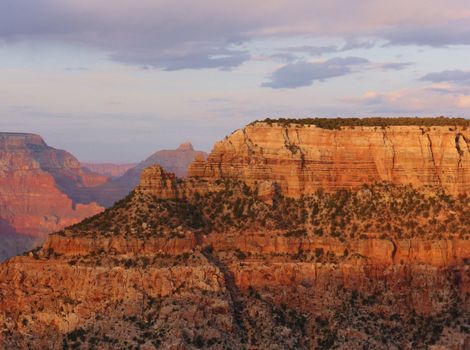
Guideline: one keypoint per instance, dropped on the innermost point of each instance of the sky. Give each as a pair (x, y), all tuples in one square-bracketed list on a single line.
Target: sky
[(116, 80)]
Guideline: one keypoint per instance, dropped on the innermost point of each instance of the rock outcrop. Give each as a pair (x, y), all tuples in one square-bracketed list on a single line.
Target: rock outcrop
[(156, 181), (209, 262), (302, 158), (42, 190), (175, 161)]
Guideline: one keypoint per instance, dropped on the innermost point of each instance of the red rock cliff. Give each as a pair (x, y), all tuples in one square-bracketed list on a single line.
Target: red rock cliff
[(40, 188), (304, 158), (203, 263)]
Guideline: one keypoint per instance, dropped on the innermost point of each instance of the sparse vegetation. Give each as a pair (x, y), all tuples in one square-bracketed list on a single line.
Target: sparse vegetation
[(277, 303), (383, 211), (336, 123)]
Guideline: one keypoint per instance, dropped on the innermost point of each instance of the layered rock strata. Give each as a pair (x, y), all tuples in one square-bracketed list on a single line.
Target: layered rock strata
[(188, 264), (303, 158), (42, 190), (175, 161)]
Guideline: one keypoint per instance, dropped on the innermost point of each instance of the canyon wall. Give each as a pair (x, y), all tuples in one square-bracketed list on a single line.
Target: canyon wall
[(209, 262), (108, 169), (304, 158), (42, 189)]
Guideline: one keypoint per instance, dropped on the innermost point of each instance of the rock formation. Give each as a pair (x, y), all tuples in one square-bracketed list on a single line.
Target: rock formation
[(209, 262), (107, 169), (302, 158), (175, 161), (42, 189)]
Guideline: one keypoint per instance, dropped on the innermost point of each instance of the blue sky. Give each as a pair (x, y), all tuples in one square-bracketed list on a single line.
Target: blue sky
[(115, 80)]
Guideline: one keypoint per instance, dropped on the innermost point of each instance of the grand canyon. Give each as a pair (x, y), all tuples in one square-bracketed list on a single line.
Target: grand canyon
[(325, 204), (43, 189), (291, 234)]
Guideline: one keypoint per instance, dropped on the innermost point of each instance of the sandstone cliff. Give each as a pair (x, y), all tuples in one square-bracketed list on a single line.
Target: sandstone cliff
[(273, 262), (302, 158), (175, 161), (42, 189)]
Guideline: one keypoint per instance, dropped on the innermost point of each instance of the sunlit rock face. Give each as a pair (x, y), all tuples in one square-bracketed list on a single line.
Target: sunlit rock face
[(42, 189), (214, 263), (305, 158)]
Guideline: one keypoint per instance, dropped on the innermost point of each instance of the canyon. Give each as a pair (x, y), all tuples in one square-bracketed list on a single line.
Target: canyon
[(42, 190), (355, 237)]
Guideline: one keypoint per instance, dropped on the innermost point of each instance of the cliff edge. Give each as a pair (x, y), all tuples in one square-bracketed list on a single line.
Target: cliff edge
[(302, 158)]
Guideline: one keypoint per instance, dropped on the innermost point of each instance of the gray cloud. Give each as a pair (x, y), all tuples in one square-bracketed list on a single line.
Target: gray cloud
[(173, 35), (311, 50), (284, 57), (456, 32), (395, 65), (150, 35), (221, 58), (299, 74), (358, 43), (448, 76)]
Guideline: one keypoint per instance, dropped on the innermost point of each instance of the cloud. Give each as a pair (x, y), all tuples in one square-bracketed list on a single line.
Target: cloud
[(415, 101), (284, 57), (312, 50), (299, 74), (395, 65), (221, 58), (448, 76), (151, 34), (186, 34), (358, 43), (456, 32)]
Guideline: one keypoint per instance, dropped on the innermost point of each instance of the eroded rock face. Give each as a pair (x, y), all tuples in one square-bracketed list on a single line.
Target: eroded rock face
[(158, 182), (202, 263), (41, 190), (304, 158), (178, 265), (175, 161)]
